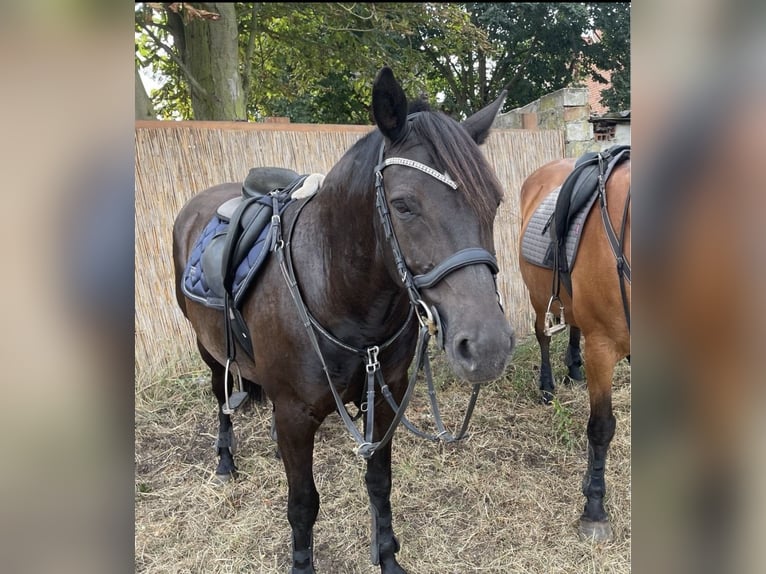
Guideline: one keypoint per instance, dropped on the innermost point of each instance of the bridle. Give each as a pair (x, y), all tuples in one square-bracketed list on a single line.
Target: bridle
[(428, 319), (412, 284)]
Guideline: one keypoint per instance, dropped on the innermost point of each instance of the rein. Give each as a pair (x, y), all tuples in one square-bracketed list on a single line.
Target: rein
[(366, 447), (428, 319)]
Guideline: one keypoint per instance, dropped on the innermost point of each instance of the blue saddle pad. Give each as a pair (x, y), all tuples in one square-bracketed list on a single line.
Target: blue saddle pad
[(195, 284)]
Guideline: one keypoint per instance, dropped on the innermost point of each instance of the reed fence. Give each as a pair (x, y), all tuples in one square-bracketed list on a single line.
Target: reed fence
[(175, 160)]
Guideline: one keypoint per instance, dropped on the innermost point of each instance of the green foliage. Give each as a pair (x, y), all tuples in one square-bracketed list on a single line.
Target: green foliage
[(154, 41), (563, 424), (143, 488), (314, 62), (612, 52), (537, 45), (534, 49)]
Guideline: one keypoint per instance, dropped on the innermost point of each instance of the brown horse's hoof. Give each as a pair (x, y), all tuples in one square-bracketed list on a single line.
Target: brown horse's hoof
[(595, 531)]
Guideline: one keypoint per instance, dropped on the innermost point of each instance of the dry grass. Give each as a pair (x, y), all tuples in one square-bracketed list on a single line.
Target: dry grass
[(506, 500)]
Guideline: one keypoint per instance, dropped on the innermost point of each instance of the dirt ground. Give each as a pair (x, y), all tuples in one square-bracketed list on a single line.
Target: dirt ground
[(506, 500)]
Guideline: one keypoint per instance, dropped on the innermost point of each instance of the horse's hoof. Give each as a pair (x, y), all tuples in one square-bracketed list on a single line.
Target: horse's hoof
[(221, 479), (595, 531), (575, 374), (393, 568)]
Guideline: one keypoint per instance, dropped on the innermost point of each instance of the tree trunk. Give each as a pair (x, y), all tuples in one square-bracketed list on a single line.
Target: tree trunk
[(144, 108), (212, 57)]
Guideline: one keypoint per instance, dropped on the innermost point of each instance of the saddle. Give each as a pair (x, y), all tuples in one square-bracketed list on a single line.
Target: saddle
[(236, 242), (577, 193)]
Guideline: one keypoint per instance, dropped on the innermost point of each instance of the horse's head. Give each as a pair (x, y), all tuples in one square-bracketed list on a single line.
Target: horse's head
[(440, 196)]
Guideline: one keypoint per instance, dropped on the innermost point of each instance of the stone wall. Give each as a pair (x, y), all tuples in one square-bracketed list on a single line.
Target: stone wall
[(566, 110)]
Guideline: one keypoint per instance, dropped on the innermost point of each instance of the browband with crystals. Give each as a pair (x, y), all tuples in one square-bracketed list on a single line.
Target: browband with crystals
[(443, 177)]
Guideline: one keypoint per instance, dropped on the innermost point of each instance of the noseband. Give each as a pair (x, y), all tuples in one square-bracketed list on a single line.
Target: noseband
[(428, 315)]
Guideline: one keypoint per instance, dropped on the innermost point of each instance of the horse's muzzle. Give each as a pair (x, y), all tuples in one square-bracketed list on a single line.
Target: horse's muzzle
[(481, 353)]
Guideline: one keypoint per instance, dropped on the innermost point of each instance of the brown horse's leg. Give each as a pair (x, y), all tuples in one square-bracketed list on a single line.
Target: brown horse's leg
[(546, 374), (295, 436), (573, 357), (599, 368), (225, 443), (378, 480)]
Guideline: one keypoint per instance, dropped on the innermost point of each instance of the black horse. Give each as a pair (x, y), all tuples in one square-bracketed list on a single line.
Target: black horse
[(396, 245)]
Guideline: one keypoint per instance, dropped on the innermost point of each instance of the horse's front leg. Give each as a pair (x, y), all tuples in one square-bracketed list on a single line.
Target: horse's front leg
[(600, 361), (378, 479), (295, 429)]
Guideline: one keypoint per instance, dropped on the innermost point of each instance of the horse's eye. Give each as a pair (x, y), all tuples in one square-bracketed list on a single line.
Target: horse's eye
[(401, 206)]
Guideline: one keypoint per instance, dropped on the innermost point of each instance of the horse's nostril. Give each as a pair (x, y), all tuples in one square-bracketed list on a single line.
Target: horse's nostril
[(465, 350)]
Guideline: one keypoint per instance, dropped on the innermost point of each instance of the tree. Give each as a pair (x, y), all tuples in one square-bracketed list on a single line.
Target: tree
[(612, 53), (144, 108), (311, 61), (314, 62), (535, 48), (202, 48)]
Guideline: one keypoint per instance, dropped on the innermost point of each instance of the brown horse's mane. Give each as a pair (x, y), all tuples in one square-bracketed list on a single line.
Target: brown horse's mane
[(453, 150)]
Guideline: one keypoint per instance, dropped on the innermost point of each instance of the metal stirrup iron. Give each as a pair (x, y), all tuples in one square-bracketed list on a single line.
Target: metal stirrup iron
[(551, 326)]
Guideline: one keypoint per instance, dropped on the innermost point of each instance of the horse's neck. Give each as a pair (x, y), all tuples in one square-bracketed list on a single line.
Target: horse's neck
[(355, 287)]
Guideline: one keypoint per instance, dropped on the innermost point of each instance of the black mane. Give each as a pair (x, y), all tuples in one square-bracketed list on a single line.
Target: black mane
[(457, 154), (448, 143)]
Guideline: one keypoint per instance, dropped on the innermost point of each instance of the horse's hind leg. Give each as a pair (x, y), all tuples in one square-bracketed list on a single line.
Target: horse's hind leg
[(546, 374), (295, 436), (225, 443), (378, 480), (599, 368), (573, 357)]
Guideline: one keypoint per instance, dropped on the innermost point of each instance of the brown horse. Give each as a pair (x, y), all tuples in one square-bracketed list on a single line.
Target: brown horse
[(397, 243), (595, 307)]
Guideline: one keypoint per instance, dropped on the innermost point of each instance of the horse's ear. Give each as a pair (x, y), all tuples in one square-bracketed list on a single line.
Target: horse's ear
[(479, 123), (389, 104)]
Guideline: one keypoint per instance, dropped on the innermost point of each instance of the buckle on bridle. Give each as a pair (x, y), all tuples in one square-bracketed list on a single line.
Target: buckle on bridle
[(372, 359)]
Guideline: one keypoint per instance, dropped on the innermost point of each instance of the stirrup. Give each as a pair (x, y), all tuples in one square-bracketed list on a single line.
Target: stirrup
[(551, 326), (236, 399)]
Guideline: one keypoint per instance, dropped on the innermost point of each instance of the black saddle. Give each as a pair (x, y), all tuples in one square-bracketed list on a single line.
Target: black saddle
[(576, 192), (263, 180), (232, 257)]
